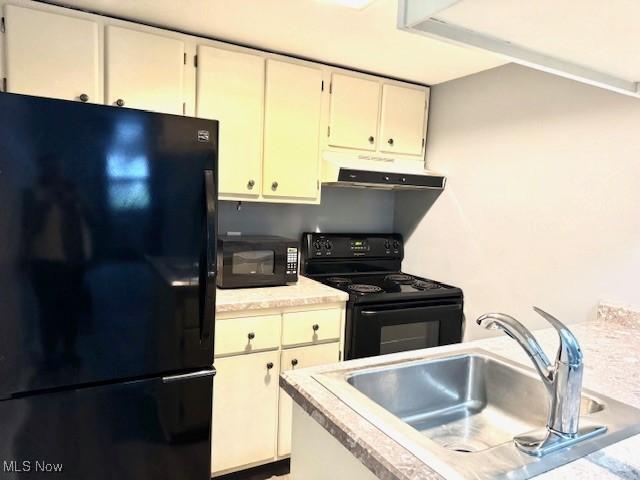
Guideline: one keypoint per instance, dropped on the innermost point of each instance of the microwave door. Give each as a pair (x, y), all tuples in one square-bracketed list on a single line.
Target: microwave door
[(253, 262)]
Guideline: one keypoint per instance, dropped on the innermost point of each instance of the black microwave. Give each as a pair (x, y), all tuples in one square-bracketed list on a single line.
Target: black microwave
[(256, 261)]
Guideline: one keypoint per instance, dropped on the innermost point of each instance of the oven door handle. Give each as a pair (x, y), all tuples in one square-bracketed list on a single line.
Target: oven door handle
[(454, 306)]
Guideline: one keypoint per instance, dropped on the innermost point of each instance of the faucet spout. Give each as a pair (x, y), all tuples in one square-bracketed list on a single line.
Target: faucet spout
[(563, 378), (522, 335), (569, 351)]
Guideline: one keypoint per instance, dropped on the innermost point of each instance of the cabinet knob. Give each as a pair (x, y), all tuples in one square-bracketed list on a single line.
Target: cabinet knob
[(316, 327), (250, 184), (274, 186), (371, 139), (84, 97), (120, 102), (251, 336), (269, 365), (294, 362), (390, 141)]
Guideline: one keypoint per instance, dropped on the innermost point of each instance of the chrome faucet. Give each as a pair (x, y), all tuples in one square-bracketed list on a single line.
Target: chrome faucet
[(563, 380)]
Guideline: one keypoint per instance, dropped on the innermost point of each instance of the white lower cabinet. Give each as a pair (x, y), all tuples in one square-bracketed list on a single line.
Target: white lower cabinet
[(245, 399), (301, 357), (251, 414)]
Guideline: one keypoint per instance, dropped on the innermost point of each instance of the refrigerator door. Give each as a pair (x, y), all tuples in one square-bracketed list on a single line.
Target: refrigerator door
[(105, 215), (148, 429)]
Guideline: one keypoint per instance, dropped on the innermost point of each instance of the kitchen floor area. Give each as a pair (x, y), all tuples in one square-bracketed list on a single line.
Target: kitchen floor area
[(274, 471)]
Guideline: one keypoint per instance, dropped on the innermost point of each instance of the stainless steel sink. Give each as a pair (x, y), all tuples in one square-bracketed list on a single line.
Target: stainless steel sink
[(459, 413)]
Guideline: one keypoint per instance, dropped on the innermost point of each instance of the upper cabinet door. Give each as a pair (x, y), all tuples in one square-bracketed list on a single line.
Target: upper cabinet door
[(291, 131), (230, 88), (144, 70), (403, 119), (50, 55), (354, 112)]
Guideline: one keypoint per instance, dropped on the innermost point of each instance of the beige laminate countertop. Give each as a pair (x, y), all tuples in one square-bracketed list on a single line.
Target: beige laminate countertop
[(304, 293), (611, 347)]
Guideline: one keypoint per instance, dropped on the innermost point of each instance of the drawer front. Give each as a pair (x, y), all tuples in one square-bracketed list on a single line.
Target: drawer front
[(247, 334), (300, 328)]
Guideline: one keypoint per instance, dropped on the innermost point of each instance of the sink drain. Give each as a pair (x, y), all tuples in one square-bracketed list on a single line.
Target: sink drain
[(462, 447)]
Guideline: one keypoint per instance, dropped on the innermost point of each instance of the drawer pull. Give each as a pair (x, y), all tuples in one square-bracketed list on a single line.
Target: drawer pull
[(251, 336), (294, 362), (269, 365), (316, 327)]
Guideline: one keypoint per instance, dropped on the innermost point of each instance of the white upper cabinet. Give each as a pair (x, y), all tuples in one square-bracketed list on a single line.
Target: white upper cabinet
[(354, 112), (230, 88), (144, 70), (403, 119), (291, 131), (52, 55)]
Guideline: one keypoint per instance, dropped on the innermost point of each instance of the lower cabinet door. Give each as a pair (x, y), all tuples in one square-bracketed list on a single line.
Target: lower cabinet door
[(245, 401), (301, 357)]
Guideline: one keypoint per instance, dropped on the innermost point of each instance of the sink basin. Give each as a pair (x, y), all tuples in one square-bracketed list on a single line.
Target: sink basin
[(459, 413)]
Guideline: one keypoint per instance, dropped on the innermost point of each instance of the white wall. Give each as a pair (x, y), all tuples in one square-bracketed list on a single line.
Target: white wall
[(542, 205)]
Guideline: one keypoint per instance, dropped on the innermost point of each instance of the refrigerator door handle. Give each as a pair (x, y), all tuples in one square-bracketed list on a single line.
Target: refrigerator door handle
[(189, 376), (207, 258)]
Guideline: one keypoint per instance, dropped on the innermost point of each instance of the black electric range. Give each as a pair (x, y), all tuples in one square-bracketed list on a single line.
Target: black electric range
[(388, 310)]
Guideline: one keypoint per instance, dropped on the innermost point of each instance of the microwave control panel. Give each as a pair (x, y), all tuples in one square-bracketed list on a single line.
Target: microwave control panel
[(292, 261)]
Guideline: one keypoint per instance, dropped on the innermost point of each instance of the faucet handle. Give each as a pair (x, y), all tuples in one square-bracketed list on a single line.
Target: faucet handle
[(569, 351)]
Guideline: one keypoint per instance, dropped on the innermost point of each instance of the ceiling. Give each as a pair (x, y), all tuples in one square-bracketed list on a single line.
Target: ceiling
[(600, 35), (365, 39)]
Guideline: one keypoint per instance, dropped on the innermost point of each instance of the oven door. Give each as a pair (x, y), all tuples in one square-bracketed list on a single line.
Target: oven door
[(252, 264), (390, 328)]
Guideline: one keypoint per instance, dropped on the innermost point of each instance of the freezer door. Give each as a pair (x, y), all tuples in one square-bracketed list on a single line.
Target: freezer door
[(105, 215), (148, 429)]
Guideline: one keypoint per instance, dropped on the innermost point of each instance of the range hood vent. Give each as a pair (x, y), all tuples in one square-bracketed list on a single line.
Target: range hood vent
[(384, 174)]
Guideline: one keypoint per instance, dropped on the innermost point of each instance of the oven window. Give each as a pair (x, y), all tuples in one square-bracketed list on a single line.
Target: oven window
[(253, 262), (409, 336)]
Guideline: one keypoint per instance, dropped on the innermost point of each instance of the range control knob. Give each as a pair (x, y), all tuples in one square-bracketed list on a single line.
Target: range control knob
[(396, 244), (387, 244), (328, 245), (317, 245)]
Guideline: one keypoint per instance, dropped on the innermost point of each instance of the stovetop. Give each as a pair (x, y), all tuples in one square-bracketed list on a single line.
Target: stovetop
[(387, 286), (368, 267)]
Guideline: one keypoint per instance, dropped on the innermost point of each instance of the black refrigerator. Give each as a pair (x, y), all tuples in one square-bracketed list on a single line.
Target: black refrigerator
[(107, 285)]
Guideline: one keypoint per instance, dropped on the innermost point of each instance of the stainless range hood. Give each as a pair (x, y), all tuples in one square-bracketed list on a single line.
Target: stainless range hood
[(378, 172)]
